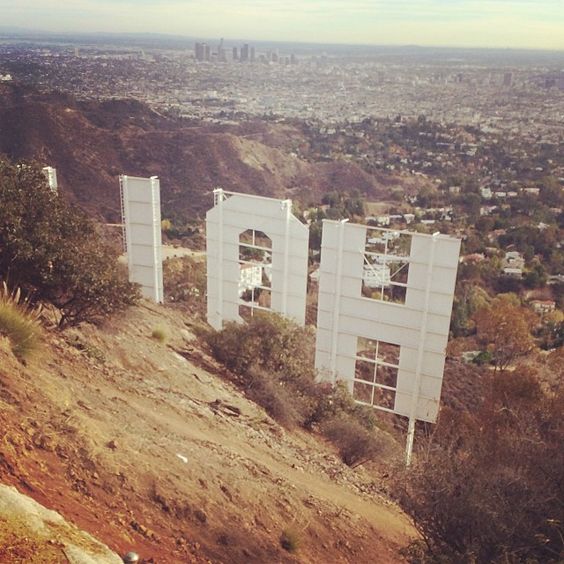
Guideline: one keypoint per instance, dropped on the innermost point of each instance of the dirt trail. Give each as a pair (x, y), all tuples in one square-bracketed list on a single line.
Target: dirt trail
[(147, 450)]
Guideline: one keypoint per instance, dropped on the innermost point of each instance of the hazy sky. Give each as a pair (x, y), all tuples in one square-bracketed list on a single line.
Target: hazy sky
[(488, 23)]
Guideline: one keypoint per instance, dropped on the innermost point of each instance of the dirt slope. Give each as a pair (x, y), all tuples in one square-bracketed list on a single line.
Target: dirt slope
[(91, 143), (143, 445), (30, 533)]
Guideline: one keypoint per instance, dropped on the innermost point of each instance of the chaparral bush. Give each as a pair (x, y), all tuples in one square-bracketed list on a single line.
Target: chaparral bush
[(53, 250), (273, 359), (489, 485)]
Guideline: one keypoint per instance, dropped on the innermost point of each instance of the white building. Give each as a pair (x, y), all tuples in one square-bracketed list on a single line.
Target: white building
[(251, 277), (486, 193), (376, 275)]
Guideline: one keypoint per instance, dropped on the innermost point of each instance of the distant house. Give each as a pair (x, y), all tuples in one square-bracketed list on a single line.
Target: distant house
[(513, 272), (543, 306), (487, 210), (251, 277), (556, 279), (376, 275), (486, 193), (470, 356), (513, 259), (472, 258)]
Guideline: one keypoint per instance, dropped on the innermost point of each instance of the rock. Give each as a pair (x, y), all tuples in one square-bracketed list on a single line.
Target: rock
[(226, 492), (43, 525), (45, 442), (112, 444)]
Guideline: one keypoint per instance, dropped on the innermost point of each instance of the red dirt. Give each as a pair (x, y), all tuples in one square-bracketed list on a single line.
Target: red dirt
[(98, 428)]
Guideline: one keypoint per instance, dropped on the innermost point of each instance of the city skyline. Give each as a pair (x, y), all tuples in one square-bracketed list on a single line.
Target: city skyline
[(454, 23)]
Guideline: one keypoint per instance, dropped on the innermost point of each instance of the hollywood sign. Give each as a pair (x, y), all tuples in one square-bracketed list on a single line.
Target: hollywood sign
[(385, 296), (141, 216)]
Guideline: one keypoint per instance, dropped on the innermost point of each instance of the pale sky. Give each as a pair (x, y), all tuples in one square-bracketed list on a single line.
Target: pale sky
[(537, 24)]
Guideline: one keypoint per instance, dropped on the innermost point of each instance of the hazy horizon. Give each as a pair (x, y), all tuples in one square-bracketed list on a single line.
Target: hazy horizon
[(515, 24)]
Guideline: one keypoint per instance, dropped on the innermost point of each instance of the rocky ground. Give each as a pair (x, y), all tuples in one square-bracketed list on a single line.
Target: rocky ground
[(148, 447)]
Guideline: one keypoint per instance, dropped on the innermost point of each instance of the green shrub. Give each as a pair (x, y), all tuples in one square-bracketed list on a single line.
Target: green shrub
[(267, 391), (356, 444), (159, 334), (268, 341), (290, 539), (185, 282), (273, 360), (55, 252), (483, 357), (19, 323), (488, 486)]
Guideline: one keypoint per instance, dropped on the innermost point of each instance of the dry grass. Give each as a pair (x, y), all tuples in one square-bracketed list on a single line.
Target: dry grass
[(19, 322), (159, 334)]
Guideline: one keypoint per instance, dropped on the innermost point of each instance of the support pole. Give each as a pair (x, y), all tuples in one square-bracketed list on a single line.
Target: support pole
[(219, 197), (336, 309), (420, 354), (157, 248), (287, 204)]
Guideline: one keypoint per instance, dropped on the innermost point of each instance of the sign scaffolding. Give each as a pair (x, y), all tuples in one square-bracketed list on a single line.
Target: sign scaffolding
[(385, 301), (257, 253), (141, 215)]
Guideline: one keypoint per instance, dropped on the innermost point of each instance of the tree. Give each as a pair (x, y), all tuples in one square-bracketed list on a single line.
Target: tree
[(54, 252), (487, 486), (551, 192), (504, 327)]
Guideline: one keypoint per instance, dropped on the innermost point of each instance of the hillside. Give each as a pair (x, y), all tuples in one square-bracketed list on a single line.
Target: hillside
[(91, 143), (146, 447)]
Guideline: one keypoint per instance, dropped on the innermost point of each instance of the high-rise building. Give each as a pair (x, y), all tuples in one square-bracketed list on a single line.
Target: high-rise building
[(235, 54), (199, 51), (207, 52), (253, 55), (245, 52), (293, 59), (508, 79)]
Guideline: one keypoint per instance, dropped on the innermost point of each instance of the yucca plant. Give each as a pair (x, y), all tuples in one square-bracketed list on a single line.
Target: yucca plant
[(19, 322)]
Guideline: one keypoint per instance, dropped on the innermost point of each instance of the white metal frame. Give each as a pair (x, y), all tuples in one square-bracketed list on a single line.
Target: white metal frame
[(141, 216), (253, 305), (233, 214), (419, 326), (51, 175), (376, 362)]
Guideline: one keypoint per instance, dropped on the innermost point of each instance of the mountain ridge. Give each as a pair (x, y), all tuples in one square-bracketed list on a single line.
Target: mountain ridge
[(91, 142)]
